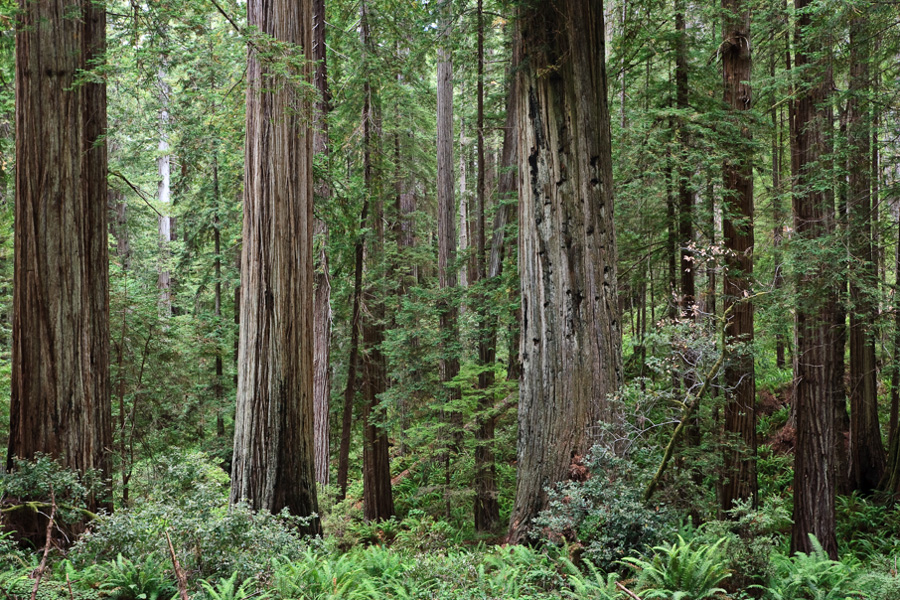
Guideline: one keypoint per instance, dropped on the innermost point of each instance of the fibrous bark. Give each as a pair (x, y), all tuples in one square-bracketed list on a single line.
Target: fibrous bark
[(814, 458), (867, 459), (274, 461), (571, 336), (322, 300), (737, 175), (60, 396)]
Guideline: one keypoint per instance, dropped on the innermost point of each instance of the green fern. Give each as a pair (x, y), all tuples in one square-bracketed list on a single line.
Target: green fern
[(589, 586), (812, 576), (228, 589), (682, 572), (125, 580)]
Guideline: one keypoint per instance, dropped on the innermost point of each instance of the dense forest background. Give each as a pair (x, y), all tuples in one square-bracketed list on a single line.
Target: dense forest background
[(727, 416)]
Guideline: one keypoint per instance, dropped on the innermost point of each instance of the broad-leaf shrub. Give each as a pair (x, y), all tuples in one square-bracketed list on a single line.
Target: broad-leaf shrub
[(604, 513), (211, 538)]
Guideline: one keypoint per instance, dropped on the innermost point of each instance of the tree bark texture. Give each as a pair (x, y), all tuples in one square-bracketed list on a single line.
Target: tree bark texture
[(486, 507), (867, 458), (737, 221), (447, 277), (814, 458), (378, 504), (60, 402), (322, 301), (274, 457), (571, 335), (685, 195)]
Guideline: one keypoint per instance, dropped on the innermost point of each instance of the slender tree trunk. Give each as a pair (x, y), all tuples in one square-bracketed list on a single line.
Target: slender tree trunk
[(60, 394), (867, 459), (377, 501), (737, 171), (447, 277), (567, 251), (487, 508), (274, 458), (322, 300), (219, 385), (164, 194), (814, 459), (777, 215), (685, 195)]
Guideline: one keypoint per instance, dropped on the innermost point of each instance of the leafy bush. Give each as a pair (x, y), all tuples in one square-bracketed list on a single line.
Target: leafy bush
[(212, 539), (751, 536), (39, 479), (682, 571), (605, 513), (229, 589)]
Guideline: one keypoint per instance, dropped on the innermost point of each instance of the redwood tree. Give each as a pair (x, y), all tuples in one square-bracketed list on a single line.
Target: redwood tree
[(814, 458), (737, 221), (273, 464), (60, 402), (571, 335)]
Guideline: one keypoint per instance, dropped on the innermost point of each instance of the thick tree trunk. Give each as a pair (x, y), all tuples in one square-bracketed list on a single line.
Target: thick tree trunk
[(867, 459), (60, 401), (814, 458), (737, 174), (274, 458), (571, 335), (322, 300)]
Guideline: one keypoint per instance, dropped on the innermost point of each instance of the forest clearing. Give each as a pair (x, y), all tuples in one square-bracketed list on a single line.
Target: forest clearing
[(449, 299)]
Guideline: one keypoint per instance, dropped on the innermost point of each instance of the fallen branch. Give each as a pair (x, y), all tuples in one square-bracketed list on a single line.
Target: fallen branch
[(627, 591), (179, 573), (39, 574), (36, 506)]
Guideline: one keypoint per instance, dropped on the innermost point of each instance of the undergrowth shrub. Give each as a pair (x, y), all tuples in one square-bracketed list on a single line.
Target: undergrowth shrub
[(604, 514), (210, 538)]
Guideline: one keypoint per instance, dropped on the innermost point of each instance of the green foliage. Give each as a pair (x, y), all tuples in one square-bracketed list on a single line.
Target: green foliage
[(38, 481), (126, 580), (682, 571), (210, 538), (230, 589), (605, 513), (866, 528), (812, 576)]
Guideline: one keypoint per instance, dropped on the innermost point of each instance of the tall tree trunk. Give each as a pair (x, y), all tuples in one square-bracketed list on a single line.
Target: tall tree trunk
[(572, 357), (274, 458), (60, 394), (487, 508), (737, 171), (867, 459), (164, 194), (377, 501), (322, 300), (447, 277), (685, 195), (814, 458), (219, 385), (777, 214)]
